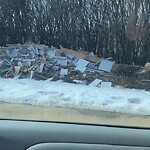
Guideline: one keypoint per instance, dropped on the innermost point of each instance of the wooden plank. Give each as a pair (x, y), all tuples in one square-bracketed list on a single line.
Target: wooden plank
[(4, 48), (145, 80), (79, 54), (72, 52)]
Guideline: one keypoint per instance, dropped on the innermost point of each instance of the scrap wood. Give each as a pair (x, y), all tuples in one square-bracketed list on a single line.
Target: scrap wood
[(79, 54), (110, 75), (3, 49), (40, 46), (33, 67), (145, 80), (53, 65), (94, 70), (31, 74), (140, 82), (40, 76), (17, 70), (9, 62), (40, 68), (13, 45), (93, 59), (4, 70)]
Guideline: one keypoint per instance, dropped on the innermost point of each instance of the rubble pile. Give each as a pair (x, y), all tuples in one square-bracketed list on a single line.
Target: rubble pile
[(40, 62), (35, 61)]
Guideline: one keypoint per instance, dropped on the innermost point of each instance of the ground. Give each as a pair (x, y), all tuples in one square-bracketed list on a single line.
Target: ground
[(59, 101), (30, 112), (66, 95)]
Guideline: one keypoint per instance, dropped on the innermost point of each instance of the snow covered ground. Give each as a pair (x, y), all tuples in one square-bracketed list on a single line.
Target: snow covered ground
[(65, 95)]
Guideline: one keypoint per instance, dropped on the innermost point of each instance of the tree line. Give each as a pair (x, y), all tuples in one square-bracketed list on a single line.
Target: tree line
[(110, 28)]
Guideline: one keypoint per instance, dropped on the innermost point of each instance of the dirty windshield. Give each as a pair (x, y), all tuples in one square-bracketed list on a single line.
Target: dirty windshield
[(85, 61)]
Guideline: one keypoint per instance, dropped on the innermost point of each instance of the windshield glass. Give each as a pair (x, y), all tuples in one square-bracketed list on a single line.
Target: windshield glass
[(75, 61)]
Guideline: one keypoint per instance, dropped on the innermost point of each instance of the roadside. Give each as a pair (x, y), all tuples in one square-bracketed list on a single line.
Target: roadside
[(29, 112)]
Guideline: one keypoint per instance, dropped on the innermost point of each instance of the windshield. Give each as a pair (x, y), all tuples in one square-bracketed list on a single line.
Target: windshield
[(75, 61)]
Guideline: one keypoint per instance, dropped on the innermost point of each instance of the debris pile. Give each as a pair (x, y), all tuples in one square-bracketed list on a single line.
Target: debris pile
[(36, 61), (40, 62)]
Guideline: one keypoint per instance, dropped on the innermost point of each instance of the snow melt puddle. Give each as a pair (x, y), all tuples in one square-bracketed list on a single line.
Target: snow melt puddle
[(65, 95)]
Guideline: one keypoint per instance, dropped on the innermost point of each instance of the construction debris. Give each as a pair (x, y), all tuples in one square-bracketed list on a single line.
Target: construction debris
[(81, 54), (147, 66), (64, 72), (37, 61), (40, 62), (96, 82), (106, 84), (106, 65)]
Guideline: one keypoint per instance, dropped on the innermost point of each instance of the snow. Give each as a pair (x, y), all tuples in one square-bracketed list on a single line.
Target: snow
[(66, 95)]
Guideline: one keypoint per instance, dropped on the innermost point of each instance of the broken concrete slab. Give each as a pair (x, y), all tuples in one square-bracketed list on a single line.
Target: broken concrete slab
[(64, 72), (106, 65), (82, 62), (80, 68), (62, 61), (96, 82), (106, 85), (81, 65)]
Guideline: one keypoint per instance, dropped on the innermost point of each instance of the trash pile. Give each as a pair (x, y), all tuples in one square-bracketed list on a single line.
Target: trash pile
[(40, 62)]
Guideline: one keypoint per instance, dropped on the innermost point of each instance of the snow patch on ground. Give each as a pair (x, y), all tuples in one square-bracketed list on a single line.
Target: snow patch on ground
[(65, 95)]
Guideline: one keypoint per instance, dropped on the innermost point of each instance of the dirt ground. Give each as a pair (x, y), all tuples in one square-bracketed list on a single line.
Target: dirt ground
[(121, 75), (20, 111), (129, 76)]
